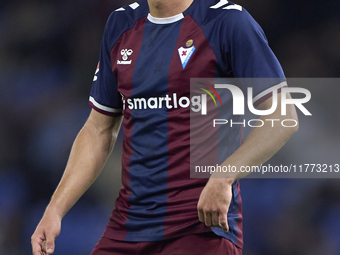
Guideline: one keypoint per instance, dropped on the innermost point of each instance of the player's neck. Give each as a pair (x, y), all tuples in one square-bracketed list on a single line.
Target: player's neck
[(168, 8)]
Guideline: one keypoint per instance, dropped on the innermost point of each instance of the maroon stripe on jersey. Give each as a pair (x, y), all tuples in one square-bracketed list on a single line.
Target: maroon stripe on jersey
[(239, 223), (183, 191), (132, 39)]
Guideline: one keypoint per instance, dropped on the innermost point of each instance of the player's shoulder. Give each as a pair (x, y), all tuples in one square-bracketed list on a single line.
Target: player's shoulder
[(222, 12), (124, 18), (129, 14)]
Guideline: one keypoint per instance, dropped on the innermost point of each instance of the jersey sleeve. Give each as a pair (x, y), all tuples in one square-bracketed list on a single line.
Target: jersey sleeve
[(104, 95), (251, 57)]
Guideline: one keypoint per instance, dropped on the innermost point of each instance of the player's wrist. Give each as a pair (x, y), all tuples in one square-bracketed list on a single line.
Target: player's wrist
[(53, 212), (227, 180)]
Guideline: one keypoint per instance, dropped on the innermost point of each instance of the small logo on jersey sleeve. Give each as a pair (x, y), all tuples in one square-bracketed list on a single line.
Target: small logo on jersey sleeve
[(186, 53), (95, 74), (125, 56)]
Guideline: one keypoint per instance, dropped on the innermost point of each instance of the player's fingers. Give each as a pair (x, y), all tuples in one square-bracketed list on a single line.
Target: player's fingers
[(49, 246), (36, 243), (207, 219), (223, 221), (215, 219), (36, 249), (43, 247), (200, 215)]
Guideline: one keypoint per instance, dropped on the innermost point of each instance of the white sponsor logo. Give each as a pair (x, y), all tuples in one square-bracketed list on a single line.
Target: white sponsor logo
[(125, 56), (168, 101)]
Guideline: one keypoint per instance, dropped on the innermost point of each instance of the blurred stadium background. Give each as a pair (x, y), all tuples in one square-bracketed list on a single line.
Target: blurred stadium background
[(48, 54)]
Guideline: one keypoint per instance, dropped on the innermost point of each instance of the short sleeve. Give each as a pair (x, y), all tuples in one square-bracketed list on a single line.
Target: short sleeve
[(104, 95), (251, 57)]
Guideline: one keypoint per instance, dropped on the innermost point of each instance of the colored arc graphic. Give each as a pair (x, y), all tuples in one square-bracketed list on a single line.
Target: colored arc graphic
[(209, 95), (213, 90)]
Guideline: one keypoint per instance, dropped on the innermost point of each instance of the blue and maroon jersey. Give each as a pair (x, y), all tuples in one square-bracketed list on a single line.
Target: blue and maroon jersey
[(144, 71)]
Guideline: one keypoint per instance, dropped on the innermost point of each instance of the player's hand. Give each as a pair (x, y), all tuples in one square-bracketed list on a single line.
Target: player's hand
[(45, 234), (213, 204)]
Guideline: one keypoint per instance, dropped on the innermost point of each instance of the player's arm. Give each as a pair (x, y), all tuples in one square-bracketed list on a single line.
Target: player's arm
[(261, 144), (88, 155)]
